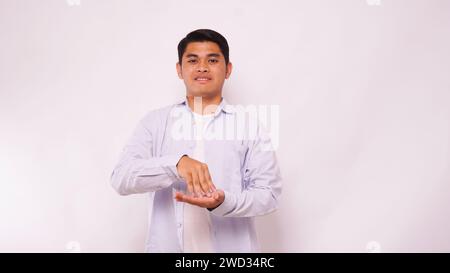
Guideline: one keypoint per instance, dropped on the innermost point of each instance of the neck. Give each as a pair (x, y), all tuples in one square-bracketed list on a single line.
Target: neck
[(203, 105)]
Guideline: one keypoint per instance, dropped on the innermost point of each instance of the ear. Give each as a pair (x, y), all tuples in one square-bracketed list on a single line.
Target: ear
[(229, 69), (180, 75)]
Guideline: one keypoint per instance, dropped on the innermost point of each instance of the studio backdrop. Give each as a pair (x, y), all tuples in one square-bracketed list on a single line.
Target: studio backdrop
[(362, 88)]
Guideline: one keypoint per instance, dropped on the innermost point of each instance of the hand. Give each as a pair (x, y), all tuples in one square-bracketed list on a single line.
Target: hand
[(197, 177), (212, 202)]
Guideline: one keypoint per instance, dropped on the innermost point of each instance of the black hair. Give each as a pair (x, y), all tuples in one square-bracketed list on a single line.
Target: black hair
[(204, 35)]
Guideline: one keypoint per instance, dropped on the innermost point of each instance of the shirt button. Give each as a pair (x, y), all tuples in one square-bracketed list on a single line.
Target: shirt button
[(179, 225)]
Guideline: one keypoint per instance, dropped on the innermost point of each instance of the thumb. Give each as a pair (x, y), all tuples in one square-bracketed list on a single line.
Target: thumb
[(216, 195)]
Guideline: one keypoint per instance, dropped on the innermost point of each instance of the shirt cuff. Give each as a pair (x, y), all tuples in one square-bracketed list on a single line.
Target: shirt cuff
[(228, 204)]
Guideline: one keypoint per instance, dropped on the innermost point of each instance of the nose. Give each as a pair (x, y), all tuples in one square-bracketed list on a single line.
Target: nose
[(202, 67)]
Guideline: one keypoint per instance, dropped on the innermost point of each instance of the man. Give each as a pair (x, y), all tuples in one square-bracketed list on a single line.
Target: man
[(204, 190)]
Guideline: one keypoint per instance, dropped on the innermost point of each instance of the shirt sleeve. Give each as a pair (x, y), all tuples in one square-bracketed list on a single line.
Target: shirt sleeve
[(137, 171), (263, 180)]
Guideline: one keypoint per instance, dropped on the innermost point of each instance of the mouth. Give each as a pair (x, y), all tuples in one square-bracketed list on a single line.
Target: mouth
[(202, 79)]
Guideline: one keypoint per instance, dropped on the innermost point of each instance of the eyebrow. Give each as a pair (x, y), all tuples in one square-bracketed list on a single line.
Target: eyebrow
[(189, 55)]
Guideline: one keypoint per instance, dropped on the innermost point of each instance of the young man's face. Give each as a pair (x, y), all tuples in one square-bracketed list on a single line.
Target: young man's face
[(203, 69)]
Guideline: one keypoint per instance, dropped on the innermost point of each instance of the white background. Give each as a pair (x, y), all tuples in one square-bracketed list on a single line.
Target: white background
[(364, 95)]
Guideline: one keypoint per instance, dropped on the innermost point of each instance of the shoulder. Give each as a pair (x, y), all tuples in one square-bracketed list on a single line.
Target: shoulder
[(158, 113), (157, 117)]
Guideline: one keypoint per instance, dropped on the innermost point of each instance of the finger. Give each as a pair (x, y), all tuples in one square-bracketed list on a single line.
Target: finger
[(178, 196), (181, 197), (195, 182), (209, 179), (190, 187), (203, 182), (201, 202)]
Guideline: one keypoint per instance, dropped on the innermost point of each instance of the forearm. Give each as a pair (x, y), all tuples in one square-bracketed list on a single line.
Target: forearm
[(145, 175), (253, 201)]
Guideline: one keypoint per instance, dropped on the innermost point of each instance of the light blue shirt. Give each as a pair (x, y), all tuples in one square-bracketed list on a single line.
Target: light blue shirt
[(244, 168)]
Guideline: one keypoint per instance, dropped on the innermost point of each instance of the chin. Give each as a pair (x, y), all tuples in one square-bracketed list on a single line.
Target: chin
[(201, 93)]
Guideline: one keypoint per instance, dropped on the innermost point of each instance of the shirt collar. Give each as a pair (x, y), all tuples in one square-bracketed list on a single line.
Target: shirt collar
[(223, 106)]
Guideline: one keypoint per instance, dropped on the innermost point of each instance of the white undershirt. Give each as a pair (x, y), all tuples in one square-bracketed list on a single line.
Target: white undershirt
[(196, 231)]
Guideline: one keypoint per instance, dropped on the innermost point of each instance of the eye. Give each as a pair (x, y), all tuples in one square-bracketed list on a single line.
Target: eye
[(213, 61), (192, 61)]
